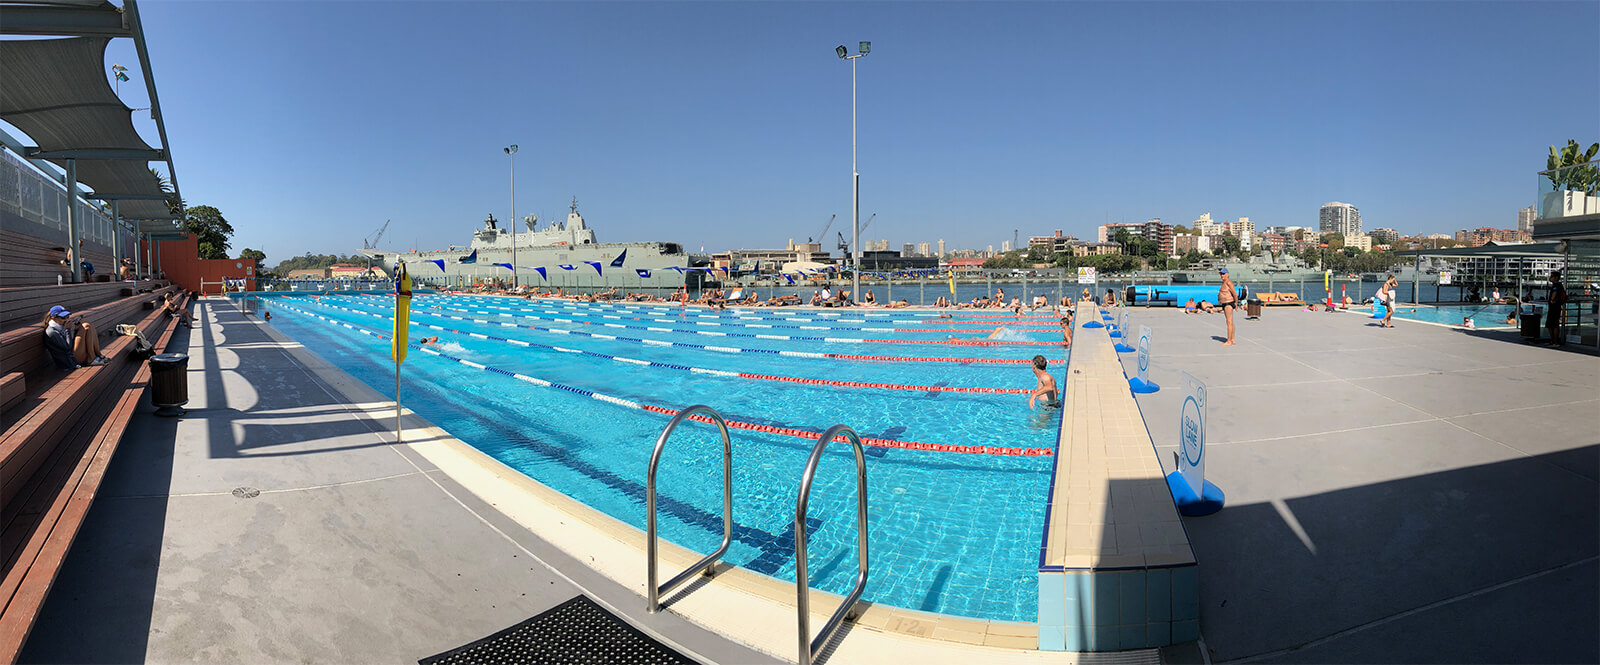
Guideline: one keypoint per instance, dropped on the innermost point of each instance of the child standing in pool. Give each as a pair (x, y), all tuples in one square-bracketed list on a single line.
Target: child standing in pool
[(1047, 384)]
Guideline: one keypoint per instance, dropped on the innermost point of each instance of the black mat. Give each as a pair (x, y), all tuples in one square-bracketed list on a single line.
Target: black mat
[(577, 632)]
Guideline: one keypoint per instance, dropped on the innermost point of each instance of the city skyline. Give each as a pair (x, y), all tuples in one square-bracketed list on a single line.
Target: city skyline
[(728, 125)]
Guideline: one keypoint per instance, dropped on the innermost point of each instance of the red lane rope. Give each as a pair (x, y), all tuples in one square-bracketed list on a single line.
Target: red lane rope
[(867, 440)]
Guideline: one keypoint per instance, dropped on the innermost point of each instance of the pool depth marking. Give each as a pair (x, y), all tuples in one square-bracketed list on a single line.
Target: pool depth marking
[(736, 424)]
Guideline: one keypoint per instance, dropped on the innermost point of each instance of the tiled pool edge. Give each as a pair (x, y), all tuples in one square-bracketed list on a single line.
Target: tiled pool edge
[(616, 550), (1115, 568)]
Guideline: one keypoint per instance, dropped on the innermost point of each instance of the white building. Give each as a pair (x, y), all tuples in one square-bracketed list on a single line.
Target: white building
[(924, 249), (1340, 218), (941, 248), (1207, 227), (1525, 218), (1245, 231), (1359, 241), (1005, 246)]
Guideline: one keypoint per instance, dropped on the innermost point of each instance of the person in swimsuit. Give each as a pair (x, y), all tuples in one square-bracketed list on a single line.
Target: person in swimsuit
[(1227, 297), (1047, 384)]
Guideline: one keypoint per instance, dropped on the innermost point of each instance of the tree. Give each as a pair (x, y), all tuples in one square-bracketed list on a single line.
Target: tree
[(258, 255), (1230, 244), (1333, 240), (213, 230)]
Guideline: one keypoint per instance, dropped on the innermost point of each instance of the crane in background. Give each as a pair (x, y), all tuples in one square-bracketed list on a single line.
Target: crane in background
[(825, 228), (371, 241), (844, 246)]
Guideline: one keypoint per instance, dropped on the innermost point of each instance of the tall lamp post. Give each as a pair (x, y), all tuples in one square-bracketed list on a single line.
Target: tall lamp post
[(512, 151), (855, 210)]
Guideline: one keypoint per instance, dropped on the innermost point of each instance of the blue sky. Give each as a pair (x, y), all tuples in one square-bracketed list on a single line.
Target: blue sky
[(728, 124)]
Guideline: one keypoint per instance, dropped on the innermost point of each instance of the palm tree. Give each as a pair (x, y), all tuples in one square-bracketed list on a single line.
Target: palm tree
[(175, 206)]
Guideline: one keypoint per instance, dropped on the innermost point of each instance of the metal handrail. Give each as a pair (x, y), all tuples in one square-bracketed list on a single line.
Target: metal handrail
[(652, 591), (809, 647)]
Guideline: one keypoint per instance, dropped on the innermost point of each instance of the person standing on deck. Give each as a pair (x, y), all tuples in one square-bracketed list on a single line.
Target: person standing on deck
[(1228, 298), (1386, 296), (1558, 301)]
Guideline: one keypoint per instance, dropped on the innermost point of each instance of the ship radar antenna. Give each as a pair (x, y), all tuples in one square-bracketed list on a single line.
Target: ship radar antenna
[(574, 205)]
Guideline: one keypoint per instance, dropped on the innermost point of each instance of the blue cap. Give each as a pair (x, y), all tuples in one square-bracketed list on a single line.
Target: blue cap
[(60, 311), (1222, 270)]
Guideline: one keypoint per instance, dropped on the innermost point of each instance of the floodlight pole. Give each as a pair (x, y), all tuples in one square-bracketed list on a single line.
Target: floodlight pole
[(855, 173), (512, 151)]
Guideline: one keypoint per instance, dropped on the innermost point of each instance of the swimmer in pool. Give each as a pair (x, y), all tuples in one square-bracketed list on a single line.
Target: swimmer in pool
[(1047, 384), (428, 340)]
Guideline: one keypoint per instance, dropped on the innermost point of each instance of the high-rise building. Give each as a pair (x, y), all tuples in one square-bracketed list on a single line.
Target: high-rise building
[(1245, 231), (924, 249), (1340, 218), (908, 249), (1525, 218), (941, 248), (1005, 245)]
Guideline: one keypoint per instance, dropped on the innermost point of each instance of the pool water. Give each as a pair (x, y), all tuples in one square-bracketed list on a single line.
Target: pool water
[(563, 393), (1483, 316)]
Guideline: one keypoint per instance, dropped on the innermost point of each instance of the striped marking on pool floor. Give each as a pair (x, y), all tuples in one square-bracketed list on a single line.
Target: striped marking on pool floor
[(733, 423)]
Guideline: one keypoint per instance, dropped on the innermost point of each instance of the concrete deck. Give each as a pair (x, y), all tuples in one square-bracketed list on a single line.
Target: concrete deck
[(1415, 494), (356, 550)]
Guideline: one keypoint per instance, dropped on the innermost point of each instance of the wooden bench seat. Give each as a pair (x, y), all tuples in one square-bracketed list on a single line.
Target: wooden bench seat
[(29, 260), (22, 349), (25, 305), (12, 387), (54, 451)]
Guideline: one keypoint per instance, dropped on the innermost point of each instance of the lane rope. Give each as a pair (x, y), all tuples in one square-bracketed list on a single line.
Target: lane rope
[(704, 370), (732, 423), (722, 349)]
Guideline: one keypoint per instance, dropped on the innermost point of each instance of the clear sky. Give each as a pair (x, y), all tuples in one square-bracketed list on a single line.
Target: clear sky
[(727, 124)]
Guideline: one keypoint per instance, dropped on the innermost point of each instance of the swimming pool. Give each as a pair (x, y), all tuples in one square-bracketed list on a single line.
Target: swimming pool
[(1483, 316), (574, 396)]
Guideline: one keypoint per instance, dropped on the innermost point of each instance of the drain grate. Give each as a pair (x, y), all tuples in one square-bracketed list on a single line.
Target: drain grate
[(246, 492), (577, 632)]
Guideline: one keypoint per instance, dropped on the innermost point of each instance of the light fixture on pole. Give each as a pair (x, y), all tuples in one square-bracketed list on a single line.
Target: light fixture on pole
[(855, 210), (512, 151)]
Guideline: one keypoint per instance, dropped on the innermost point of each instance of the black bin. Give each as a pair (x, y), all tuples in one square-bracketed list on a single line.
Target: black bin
[(1252, 308), (1530, 325), (169, 383)]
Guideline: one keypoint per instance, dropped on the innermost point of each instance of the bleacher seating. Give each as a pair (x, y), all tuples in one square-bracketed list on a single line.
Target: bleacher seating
[(58, 438), (27, 260), (25, 305)]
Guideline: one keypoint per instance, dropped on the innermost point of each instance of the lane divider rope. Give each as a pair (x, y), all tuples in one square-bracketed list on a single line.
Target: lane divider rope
[(719, 349), (794, 338), (704, 370), (733, 423)]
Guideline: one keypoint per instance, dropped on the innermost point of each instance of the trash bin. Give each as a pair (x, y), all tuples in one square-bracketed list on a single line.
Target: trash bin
[(1252, 308), (169, 383), (1530, 324)]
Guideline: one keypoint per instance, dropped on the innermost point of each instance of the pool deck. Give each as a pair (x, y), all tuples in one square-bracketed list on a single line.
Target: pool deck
[(1405, 495), (1415, 494)]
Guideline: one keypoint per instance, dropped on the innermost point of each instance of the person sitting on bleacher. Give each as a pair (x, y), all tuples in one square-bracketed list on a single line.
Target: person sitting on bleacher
[(68, 350), (182, 314)]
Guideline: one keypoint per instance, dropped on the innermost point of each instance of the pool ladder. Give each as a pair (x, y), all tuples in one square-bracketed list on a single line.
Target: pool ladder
[(808, 647)]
